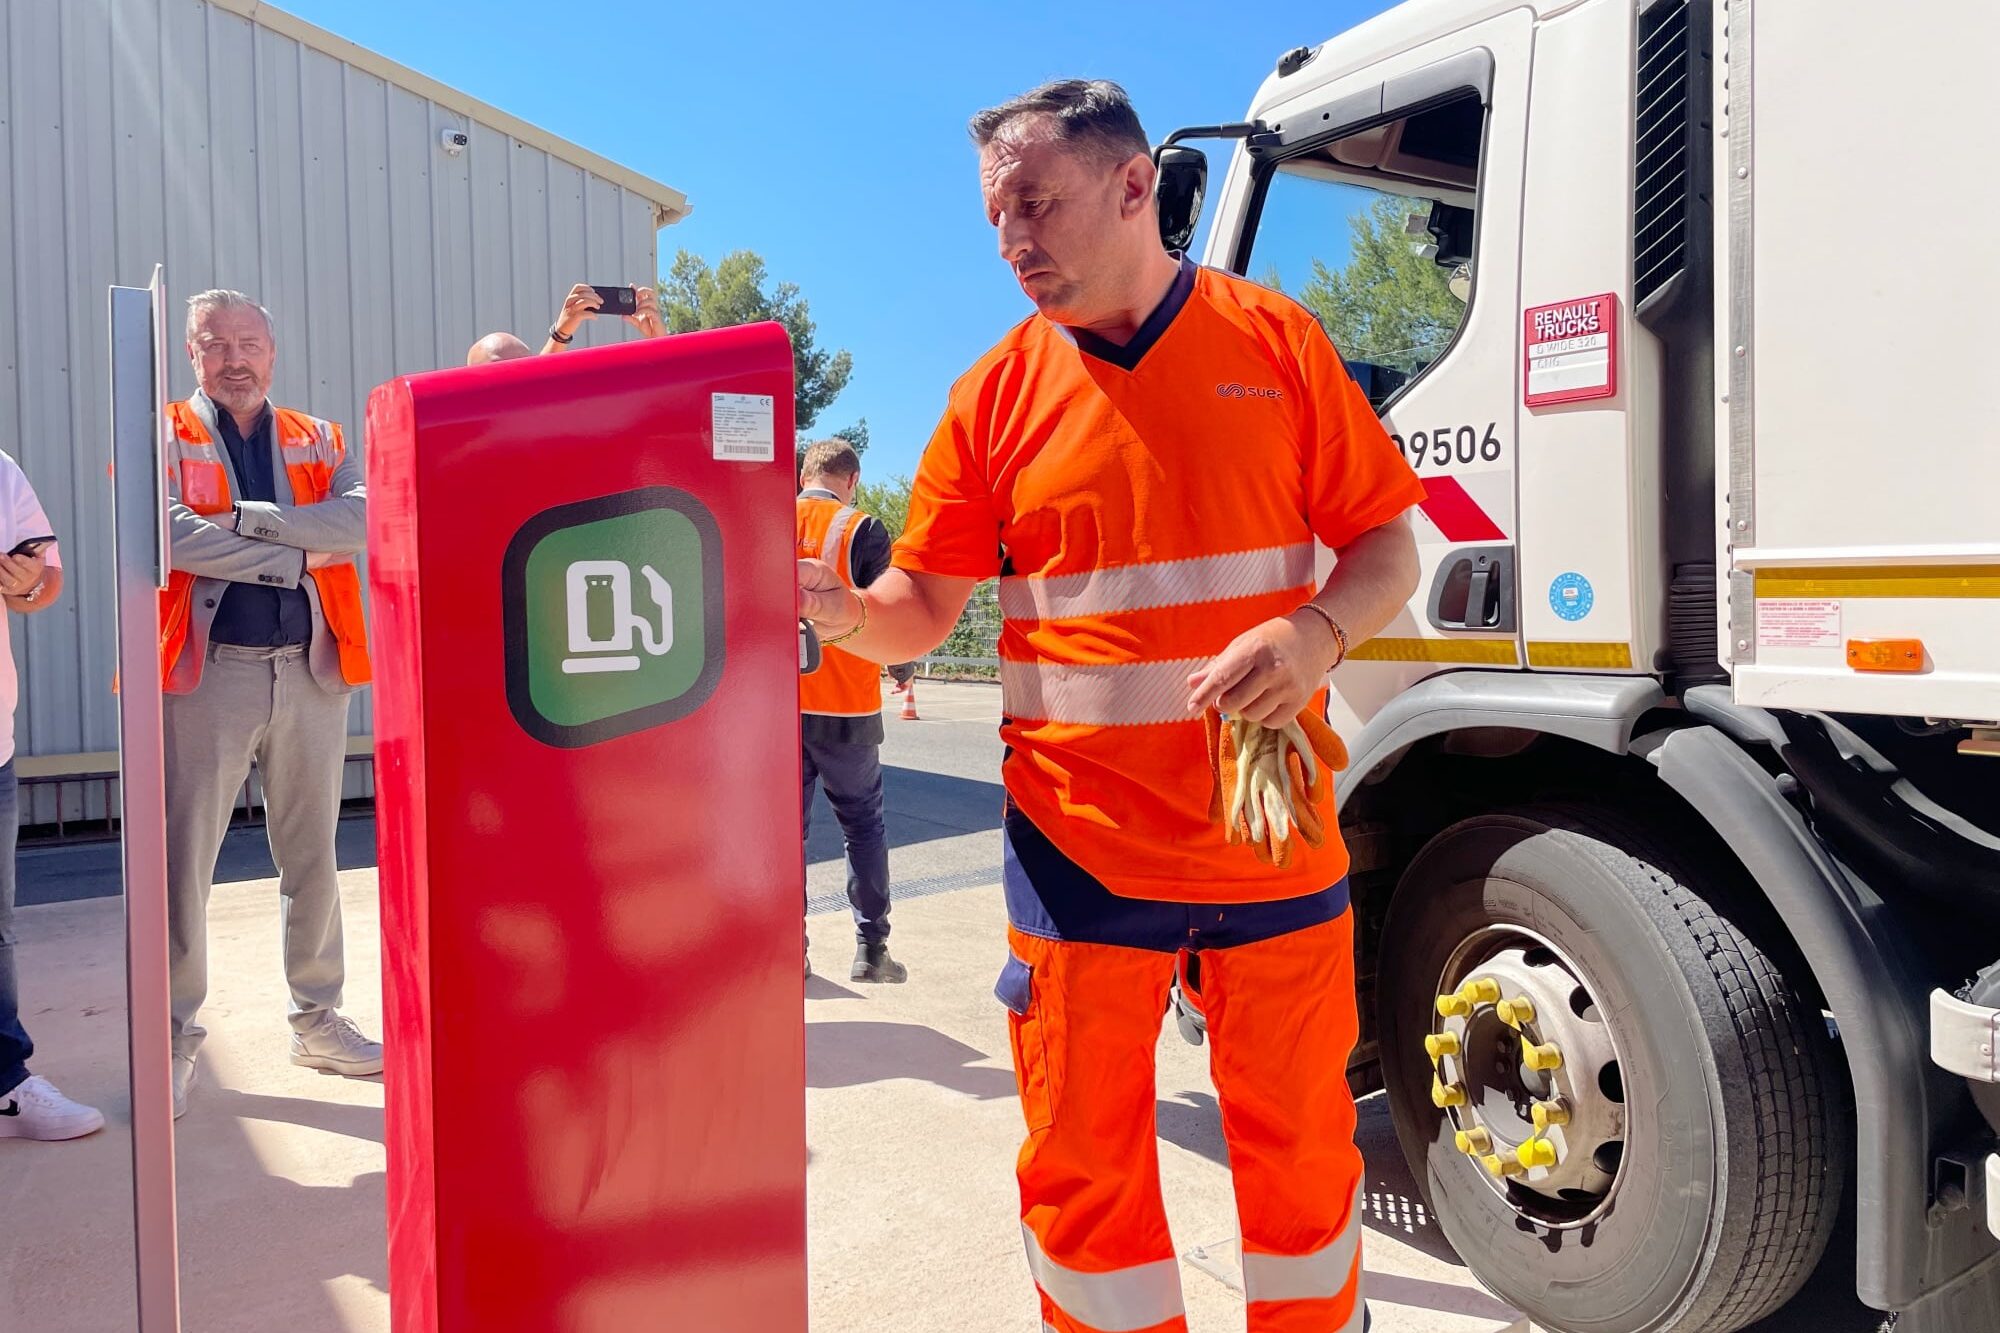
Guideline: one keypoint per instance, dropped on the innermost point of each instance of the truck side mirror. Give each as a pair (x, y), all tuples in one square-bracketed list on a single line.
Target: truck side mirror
[(1183, 178)]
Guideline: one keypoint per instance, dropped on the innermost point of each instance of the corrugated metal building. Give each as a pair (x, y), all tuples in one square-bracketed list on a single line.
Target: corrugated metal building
[(246, 148)]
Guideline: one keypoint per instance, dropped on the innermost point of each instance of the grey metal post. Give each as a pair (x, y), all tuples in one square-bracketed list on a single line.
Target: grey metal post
[(139, 507)]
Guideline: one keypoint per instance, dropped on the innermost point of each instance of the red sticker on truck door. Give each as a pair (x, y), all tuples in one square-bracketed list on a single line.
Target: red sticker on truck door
[(1570, 351)]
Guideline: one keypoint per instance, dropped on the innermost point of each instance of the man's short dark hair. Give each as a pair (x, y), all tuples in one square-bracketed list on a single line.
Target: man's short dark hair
[(1091, 116), (831, 458)]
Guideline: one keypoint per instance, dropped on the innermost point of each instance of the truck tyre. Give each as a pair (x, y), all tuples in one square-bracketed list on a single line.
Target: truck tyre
[(1622, 1116)]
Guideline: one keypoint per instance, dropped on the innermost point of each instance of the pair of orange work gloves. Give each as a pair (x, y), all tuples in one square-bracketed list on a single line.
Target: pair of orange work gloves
[(1271, 781)]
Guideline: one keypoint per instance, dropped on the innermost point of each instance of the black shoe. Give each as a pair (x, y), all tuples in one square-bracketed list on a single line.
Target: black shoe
[(873, 963)]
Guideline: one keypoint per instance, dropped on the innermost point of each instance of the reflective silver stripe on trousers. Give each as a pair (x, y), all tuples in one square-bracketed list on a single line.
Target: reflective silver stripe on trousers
[(1120, 1301), (1130, 694), (1318, 1276), (829, 549), (1208, 578)]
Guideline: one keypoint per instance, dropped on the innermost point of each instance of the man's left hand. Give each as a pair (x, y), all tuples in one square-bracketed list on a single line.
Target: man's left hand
[(1269, 673), (20, 573)]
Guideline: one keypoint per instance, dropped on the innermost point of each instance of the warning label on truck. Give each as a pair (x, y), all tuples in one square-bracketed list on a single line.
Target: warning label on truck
[(745, 427), (1571, 350), (1797, 624)]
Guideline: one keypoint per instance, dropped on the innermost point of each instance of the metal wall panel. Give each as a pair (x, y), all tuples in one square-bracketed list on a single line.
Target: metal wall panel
[(136, 131)]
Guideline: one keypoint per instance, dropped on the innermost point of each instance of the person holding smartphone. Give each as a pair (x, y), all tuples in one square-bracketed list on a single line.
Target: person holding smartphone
[(639, 304), (30, 581)]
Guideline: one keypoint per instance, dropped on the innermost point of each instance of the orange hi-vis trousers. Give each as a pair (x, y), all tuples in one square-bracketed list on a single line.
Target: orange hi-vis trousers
[(1085, 1021)]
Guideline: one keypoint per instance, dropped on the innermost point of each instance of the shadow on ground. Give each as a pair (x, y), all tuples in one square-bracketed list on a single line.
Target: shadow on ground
[(949, 806), (846, 1055), (65, 872)]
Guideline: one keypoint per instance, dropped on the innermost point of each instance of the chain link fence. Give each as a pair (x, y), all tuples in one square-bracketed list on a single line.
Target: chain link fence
[(973, 646)]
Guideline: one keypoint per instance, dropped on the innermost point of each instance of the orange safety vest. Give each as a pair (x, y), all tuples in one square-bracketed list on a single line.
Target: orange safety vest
[(844, 685), (311, 450)]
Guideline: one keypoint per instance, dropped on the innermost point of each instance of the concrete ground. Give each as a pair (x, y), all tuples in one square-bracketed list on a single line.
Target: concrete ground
[(911, 1116)]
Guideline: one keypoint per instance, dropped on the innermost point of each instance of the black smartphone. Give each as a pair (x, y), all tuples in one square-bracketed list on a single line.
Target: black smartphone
[(32, 545), (617, 300)]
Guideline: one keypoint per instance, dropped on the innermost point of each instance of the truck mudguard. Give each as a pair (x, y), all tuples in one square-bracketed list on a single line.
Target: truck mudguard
[(1597, 710), (1879, 998)]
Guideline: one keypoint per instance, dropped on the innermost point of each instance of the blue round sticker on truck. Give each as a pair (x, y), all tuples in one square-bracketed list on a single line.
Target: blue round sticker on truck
[(1570, 596)]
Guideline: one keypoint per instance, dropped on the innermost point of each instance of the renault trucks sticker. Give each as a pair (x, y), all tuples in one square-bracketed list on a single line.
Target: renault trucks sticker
[(1571, 351)]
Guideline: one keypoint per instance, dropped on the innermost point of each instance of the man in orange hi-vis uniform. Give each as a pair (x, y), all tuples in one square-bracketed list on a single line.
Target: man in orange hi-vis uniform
[(1146, 463)]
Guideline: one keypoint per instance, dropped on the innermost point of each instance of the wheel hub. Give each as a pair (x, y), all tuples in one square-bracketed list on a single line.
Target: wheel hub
[(1526, 1069)]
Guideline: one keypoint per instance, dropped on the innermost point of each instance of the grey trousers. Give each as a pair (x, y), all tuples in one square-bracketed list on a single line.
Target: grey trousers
[(261, 705)]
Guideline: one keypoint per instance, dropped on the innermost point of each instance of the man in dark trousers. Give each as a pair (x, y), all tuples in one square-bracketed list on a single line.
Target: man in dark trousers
[(841, 703)]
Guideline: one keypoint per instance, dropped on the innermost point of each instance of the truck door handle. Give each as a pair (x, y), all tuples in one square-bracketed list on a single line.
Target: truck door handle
[(1474, 589)]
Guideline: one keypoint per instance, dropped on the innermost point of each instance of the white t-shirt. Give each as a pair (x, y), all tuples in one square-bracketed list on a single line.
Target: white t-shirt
[(21, 517)]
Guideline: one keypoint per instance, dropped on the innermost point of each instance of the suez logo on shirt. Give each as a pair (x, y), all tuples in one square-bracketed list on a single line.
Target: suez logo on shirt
[(1235, 390), (612, 610)]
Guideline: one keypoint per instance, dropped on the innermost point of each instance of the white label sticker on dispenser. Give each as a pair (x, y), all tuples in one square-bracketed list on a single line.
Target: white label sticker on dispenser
[(744, 426)]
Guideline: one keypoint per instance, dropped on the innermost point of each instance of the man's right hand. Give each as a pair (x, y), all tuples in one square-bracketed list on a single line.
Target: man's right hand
[(20, 573), (321, 559), (825, 600), (582, 303)]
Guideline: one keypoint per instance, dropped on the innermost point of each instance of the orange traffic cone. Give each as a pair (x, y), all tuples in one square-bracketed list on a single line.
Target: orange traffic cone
[(909, 713)]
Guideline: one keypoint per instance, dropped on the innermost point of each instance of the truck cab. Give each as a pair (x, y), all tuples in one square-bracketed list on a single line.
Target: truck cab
[(1676, 843)]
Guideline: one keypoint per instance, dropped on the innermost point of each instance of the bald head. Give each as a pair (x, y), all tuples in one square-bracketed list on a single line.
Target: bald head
[(497, 347)]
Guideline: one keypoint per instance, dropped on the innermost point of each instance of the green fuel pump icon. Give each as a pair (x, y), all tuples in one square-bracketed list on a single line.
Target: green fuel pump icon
[(605, 632)]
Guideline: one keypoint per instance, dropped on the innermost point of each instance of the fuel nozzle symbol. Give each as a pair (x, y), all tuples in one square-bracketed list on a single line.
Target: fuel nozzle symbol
[(605, 632)]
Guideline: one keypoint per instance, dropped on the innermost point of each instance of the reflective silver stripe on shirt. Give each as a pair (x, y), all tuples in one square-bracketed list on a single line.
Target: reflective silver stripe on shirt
[(1131, 694), (1121, 1301), (1208, 578), (1318, 1276), (829, 549)]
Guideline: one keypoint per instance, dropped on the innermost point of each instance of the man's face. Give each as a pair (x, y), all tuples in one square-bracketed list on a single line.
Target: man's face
[(233, 355), (1064, 223)]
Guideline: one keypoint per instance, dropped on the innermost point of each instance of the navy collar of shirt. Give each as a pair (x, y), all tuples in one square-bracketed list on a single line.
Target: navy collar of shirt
[(1128, 356), (819, 493)]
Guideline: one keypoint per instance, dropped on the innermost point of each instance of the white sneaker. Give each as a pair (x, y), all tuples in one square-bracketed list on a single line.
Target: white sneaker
[(337, 1045), (35, 1110), (183, 1080)]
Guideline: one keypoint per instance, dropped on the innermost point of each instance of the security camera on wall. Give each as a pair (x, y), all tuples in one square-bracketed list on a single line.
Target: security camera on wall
[(454, 141)]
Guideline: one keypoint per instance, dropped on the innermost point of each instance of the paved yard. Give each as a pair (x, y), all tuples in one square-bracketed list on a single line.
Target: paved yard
[(912, 1121)]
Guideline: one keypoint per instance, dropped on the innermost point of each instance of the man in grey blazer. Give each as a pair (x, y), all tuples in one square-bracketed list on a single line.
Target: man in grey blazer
[(262, 643)]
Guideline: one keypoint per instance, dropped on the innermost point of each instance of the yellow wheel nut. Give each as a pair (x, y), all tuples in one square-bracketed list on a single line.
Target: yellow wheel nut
[(1536, 1152), (1440, 1044), (1550, 1114), (1452, 1006), (1501, 1167), (1543, 1059), (1474, 1142), (1480, 990), (1516, 1013), (1445, 1094)]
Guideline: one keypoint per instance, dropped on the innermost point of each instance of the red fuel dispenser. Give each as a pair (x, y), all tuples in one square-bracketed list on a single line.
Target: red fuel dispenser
[(587, 762)]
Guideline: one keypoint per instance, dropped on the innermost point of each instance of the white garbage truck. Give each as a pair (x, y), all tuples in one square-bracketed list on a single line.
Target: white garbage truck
[(1675, 794)]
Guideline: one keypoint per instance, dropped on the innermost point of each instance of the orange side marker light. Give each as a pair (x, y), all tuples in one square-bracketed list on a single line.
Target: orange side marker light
[(1885, 654)]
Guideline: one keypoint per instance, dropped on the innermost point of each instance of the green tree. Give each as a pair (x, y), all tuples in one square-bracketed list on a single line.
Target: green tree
[(887, 500), (1390, 305), (856, 435), (694, 296)]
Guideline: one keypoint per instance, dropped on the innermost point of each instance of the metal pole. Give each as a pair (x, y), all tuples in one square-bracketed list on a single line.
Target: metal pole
[(138, 388)]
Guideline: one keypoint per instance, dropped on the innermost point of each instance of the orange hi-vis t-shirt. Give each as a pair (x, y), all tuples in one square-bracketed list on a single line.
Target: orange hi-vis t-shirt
[(1143, 505)]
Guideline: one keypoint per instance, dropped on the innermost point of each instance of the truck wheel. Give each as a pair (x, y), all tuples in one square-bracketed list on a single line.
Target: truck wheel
[(1622, 1116)]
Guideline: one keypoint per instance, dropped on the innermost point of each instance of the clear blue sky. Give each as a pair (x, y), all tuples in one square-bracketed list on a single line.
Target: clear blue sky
[(831, 138)]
